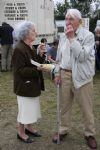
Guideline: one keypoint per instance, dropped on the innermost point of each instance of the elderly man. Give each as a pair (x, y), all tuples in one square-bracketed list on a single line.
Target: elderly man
[(74, 72)]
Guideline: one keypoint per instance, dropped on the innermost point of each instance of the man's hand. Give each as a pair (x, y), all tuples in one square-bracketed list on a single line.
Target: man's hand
[(70, 32), (57, 79), (41, 68)]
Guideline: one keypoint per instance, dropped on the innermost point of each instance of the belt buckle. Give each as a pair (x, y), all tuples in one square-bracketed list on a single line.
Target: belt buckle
[(66, 70)]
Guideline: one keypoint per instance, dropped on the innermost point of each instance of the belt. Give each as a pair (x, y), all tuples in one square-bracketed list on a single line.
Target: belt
[(66, 70)]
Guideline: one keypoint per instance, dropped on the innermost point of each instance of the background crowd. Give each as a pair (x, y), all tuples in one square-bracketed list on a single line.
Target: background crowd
[(8, 40)]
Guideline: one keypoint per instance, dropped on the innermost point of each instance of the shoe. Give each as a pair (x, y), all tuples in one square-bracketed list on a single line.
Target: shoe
[(91, 142), (61, 137), (28, 140), (35, 134)]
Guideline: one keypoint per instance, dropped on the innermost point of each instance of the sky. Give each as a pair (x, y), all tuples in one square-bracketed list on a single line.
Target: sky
[(55, 1)]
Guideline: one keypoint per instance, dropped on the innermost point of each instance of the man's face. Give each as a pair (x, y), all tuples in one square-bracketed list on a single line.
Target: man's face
[(74, 22)]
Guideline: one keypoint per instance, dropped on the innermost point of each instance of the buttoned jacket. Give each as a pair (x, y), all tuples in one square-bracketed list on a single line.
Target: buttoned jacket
[(27, 79)]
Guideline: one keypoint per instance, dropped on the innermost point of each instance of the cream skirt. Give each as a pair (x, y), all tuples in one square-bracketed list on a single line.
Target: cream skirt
[(28, 109)]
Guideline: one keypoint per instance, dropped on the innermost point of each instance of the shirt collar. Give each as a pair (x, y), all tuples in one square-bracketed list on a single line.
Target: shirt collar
[(77, 31)]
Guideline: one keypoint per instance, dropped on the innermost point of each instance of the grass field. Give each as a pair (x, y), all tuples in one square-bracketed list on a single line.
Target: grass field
[(47, 124)]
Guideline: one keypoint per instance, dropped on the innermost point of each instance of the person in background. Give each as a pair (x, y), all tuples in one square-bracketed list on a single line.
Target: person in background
[(6, 46), (52, 52), (0, 51), (44, 40), (28, 81), (15, 38), (42, 51), (74, 73), (42, 48), (42, 59), (97, 44), (47, 47)]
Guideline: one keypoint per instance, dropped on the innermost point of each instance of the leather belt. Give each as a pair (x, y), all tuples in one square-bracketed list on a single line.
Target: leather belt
[(66, 70)]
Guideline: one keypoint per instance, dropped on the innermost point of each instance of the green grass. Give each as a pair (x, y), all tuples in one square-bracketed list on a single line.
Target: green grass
[(47, 124)]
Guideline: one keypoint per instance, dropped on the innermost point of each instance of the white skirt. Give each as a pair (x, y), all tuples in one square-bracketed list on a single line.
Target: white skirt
[(28, 109)]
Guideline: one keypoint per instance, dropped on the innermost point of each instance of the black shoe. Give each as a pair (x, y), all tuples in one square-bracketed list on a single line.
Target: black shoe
[(61, 137), (91, 142), (28, 140), (35, 134)]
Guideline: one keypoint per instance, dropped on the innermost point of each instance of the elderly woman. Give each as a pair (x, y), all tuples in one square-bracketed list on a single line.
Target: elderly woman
[(28, 81)]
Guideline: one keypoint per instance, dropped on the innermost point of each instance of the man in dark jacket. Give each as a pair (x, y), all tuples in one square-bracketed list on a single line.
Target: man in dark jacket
[(97, 44), (6, 46)]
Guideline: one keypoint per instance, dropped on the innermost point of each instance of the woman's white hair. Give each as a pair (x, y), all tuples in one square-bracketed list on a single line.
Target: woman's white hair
[(74, 13), (22, 29), (97, 29)]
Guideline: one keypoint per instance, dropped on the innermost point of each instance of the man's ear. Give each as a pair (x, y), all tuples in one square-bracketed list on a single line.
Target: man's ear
[(80, 21)]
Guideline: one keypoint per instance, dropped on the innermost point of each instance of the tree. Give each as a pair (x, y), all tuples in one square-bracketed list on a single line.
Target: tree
[(60, 10), (82, 5), (93, 24)]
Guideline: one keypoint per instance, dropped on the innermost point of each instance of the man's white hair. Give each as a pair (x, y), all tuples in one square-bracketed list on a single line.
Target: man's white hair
[(74, 13)]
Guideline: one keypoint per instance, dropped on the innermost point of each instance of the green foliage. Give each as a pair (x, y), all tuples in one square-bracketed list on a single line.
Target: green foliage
[(60, 10), (82, 5), (93, 20), (93, 24)]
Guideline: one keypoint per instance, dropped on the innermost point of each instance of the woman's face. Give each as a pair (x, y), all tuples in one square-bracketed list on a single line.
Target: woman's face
[(32, 35)]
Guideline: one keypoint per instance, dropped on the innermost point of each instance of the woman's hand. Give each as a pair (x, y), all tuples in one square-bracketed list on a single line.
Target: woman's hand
[(41, 68)]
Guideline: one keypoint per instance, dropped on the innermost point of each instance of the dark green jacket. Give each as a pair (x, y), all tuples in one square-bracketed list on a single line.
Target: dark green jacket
[(28, 81)]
